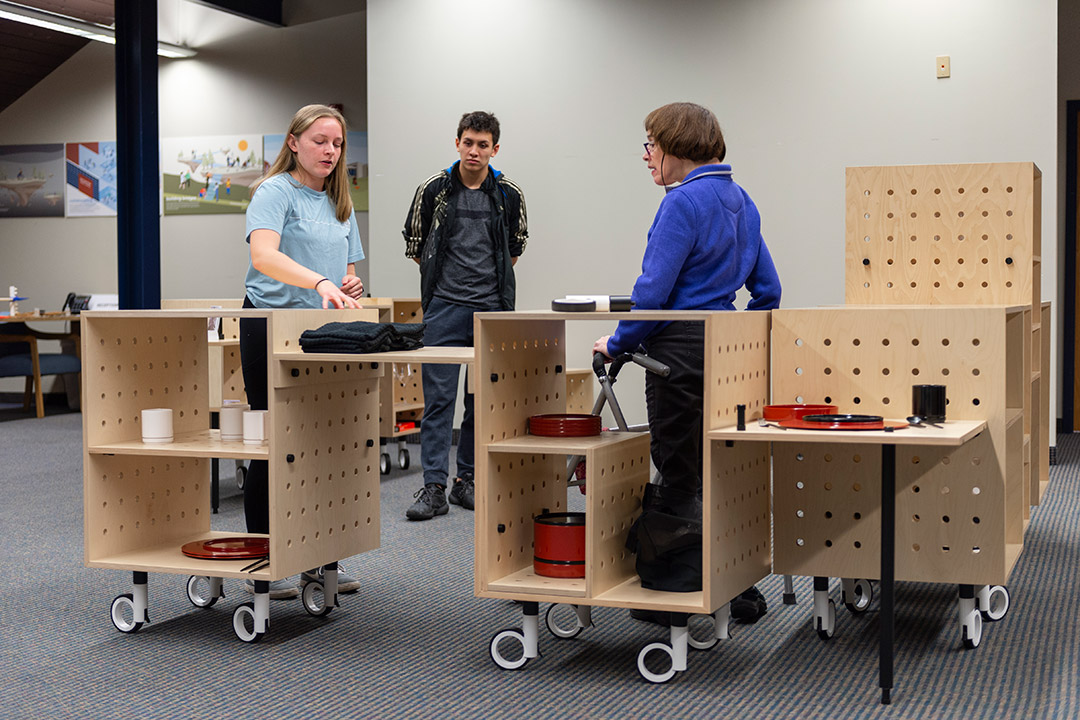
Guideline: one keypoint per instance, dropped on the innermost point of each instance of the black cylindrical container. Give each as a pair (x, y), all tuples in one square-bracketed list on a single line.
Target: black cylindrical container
[(928, 402)]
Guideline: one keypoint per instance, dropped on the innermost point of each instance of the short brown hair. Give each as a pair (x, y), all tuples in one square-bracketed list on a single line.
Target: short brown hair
[(688, 131), (480, 122)]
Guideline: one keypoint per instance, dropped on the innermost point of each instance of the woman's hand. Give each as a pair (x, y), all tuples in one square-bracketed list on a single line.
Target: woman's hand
[(352, 286), (600, 346), (332, 296)]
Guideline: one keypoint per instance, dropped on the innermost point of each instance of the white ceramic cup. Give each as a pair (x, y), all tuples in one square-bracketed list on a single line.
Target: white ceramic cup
[(157, 425), (254, 427), (231, 420)]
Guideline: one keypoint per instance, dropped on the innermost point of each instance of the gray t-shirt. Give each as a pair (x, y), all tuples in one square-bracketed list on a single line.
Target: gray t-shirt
[(468, 266)]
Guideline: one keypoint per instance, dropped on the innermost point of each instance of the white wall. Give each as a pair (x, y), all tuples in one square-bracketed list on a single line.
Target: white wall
[(802, 90)]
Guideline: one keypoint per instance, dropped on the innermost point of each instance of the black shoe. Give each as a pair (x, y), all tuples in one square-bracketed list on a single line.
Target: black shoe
[(430, 501), (749, 607), (463, 492), (657, 617)]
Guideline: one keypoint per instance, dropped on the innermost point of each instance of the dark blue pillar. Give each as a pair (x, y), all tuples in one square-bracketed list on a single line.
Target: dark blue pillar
[(138, 227)]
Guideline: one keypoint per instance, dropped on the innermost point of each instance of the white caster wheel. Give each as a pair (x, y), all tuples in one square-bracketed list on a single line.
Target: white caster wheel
[(997, 604), (314, 600), (707, 631), (384, 463), (403, 459), (122, 613), (241, 477), (827, 625), (668, 662), (562, 621), (860, 598), (242, 616), (971, 630), (513, 641), (199, 591)]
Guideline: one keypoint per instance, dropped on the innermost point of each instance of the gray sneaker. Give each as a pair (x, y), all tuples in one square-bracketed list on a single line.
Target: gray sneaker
[(279, 589), (430, 501), (463, 493), (345, 583)]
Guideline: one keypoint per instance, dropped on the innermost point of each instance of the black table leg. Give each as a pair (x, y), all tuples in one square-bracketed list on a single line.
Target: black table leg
[(214, 493), (888, 567)]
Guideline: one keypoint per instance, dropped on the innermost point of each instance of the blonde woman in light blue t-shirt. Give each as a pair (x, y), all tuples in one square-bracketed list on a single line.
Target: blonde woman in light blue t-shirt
[(304, 248)]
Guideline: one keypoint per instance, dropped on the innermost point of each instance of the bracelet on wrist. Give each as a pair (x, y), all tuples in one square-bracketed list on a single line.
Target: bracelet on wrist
[(316, 286)]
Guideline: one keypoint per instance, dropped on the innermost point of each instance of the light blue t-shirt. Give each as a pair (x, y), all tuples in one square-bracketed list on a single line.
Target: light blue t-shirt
[(311, 235)]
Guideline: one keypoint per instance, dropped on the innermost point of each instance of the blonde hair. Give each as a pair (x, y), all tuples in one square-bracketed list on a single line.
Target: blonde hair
[(337, 183)]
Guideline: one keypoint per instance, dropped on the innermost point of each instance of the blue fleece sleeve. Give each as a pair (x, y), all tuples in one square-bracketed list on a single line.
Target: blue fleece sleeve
[(763, 282)]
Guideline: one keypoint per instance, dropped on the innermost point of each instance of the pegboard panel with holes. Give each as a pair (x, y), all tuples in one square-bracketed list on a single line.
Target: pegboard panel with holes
[(580, 384), (403, 383), (232, 376), (865, 360), (519, 486), (324, 459), (133, 504), (616, 478), (736, 366), (943, 234), (519, 373), (150, 362), (738, 550)]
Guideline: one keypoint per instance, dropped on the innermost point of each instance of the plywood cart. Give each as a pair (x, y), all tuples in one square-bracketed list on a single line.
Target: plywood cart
[(142, 502), (401, 391), (956, 514), (520, 361)]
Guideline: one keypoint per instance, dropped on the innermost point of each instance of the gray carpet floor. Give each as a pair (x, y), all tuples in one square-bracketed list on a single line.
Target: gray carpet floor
[(413, 642)]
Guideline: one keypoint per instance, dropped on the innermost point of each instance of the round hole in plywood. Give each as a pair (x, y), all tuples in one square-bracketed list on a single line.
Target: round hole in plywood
[(857, 544), (976, 490), (828, 486), (800, 542)]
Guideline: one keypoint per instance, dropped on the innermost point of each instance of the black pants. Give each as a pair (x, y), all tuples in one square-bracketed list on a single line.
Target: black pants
[(253, 363), (675, 404)]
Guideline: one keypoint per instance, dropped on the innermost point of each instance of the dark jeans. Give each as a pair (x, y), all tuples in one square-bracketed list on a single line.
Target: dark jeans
[(675, 404), (253, 363), (447, 325)]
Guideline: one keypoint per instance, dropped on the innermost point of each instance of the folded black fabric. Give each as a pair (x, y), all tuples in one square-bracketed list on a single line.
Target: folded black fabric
[(363, 337)]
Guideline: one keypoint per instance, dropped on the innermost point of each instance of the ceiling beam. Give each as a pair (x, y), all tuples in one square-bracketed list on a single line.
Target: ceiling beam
[(267, 12)]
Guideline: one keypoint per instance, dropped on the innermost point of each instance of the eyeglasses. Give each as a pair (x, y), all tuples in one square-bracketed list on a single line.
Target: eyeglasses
[(649, 147)]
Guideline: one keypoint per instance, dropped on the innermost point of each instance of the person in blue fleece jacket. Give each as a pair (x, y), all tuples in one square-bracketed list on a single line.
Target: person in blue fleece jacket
[(704, 245)]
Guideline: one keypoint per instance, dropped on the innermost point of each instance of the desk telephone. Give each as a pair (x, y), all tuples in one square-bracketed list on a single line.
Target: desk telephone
[(76, 303)]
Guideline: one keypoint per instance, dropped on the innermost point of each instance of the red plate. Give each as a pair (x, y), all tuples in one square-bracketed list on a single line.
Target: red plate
[(228, 548), (801, 424), (565, 425), (775, 413)]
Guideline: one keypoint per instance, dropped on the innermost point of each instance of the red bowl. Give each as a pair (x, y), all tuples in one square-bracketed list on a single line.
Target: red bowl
[(776, 413), (565, 425)]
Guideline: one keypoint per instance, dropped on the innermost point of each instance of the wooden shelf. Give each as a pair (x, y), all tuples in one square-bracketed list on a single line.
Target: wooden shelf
[(203, 443), (630, 594), (407, 407), (1013, 415), (951, 433), (566, 446), (227, 342), (432, 355), (526, 582), (167, 558)]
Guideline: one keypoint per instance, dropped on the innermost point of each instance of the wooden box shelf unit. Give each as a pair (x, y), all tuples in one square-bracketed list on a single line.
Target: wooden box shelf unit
[(520, 362), (401, 391), (144, 501), (956, 235), (959, 507), (226, 376)]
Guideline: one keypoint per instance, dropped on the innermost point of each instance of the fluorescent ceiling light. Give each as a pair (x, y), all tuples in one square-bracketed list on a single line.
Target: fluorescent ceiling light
[(71, 26)]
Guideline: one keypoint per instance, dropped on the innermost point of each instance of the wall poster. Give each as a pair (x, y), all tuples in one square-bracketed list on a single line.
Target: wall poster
[(91, 179), (210, 174), (32, 180)]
